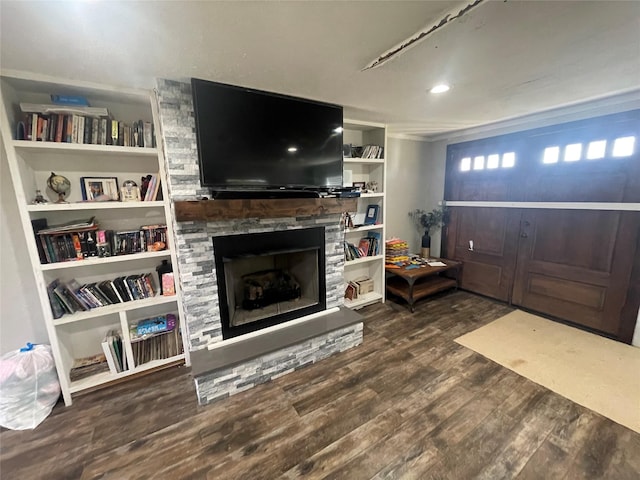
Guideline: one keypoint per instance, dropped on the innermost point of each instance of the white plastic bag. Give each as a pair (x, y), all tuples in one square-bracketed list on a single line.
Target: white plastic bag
[(29, 387)]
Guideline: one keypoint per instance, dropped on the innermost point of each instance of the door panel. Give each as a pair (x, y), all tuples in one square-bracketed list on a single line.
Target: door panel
[(489, 267), (575, 265)]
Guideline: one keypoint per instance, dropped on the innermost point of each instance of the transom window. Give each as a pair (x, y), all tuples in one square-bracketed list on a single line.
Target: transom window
[(623, 146), (490, 162), (596, 149)]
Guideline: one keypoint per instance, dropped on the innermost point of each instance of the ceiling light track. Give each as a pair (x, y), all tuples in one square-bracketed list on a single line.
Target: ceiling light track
[(453, 14)]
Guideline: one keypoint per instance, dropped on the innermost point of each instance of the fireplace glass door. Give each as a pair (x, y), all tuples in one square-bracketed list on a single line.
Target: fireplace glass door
[(269, 278)]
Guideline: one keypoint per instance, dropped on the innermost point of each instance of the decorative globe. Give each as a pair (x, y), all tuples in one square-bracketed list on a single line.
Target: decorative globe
[(60, 185)]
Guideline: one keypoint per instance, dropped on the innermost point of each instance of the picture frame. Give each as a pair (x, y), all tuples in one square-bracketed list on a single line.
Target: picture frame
[(371, 217), (346, 150), (99, 189), (359, 186)]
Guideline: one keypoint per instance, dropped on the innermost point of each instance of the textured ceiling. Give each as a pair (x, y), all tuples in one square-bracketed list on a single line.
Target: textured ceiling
[(502, 59)]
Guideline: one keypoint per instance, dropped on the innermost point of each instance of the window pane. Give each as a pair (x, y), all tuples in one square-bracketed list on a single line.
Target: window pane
[(573, 152), (623, 146), (465, 164), (478, 163), (551, 155), (493, 161), (508, 160), (596, 149)]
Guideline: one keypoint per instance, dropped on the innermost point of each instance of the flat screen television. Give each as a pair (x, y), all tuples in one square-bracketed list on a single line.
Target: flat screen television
[(251, 140)]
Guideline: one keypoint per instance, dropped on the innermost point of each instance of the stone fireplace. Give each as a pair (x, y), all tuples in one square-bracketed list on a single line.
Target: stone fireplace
[(211, 270)]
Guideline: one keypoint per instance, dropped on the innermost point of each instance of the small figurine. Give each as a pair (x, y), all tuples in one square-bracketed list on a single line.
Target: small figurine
[(372, 186), (39, 198), (130, 191)]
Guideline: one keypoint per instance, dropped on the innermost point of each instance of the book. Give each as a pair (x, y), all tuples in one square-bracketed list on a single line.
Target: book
[(108, 353), (65, 109), (71, 226), (88, 366), (371, 216), (66, 298), (168, 284), (74, 288), (74, 100), (57, 310)]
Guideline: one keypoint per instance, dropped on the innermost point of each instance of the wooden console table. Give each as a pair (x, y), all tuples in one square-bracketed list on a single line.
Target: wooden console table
[(415, 283)]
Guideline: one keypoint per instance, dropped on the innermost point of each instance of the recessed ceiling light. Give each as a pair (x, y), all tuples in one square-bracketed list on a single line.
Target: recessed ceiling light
[(440, 88)]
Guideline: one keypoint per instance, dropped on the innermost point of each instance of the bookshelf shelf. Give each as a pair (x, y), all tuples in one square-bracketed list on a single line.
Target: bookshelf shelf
[(358, 261), (363, 300), (106, 377), (82, 149), (365, 228), (80, 335), (67, 207), (118, 307), (365, 170), (379, 161), (90, 262)]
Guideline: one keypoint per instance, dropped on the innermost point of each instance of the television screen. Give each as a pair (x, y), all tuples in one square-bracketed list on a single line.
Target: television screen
[(249, 139)]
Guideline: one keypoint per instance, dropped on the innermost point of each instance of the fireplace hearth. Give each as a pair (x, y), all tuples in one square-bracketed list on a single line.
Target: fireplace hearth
[(269, 278)]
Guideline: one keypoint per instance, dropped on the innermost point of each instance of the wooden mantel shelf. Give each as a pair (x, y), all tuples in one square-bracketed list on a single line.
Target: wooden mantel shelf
[(214, 210)]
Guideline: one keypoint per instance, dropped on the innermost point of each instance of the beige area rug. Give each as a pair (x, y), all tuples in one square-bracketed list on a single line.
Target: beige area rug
[(590, 370)]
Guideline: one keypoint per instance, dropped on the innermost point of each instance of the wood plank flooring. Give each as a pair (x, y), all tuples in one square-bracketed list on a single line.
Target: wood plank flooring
[(409, 403)]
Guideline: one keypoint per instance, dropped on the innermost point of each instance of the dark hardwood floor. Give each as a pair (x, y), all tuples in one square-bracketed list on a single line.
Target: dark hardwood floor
[(408, 403)]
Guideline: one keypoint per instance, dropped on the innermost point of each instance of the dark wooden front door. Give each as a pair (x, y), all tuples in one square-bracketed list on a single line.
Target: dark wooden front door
[(490, 263), (575, 265), (578, 262)]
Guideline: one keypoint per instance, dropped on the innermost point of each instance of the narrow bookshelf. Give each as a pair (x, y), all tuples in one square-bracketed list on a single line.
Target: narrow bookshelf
[(370, 173), (111, 147)]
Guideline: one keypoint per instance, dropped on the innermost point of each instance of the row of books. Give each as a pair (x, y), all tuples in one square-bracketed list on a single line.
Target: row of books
[(367, 247), (82, 239), (358, 287), (56, 124), (373, 151), (71, 297), (114, 353), (152, 190), (165, 343), (157, 347)]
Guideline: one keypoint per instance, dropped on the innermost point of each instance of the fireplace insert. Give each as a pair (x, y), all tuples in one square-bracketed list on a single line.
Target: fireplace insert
[(269, 278)]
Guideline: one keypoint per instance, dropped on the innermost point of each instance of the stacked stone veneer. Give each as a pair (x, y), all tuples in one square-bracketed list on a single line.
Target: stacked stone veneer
[(196, 265)]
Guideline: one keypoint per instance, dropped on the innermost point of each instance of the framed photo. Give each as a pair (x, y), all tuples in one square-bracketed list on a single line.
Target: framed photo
[(371, 217), (360, 186), (99, 189)]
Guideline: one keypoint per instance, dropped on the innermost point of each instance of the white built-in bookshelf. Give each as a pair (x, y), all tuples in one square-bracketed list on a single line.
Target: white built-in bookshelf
[(358, 133), (80, 334)]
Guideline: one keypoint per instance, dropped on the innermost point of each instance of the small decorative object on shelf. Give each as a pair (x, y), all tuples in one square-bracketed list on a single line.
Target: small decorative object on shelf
[(162, 269), (130, 191), (372, 186), (428, 222), (39, 198), (60, 185)]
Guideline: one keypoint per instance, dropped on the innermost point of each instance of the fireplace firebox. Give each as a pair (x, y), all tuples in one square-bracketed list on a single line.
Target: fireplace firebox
[(269, 278)]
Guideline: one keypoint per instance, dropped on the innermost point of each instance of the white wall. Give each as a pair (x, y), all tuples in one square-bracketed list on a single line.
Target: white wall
[(21, 320), (407, 172)]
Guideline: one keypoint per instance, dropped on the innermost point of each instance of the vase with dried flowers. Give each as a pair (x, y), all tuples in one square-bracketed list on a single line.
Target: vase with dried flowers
[(429, 222)]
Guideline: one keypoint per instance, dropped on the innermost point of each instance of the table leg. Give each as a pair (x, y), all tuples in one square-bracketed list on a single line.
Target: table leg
[(411, 281)]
